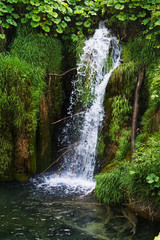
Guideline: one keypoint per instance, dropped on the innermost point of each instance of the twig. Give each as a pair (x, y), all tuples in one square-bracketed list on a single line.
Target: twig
[(72, 145), (68, 117), (62, 74), (64, 163), (55, 161)]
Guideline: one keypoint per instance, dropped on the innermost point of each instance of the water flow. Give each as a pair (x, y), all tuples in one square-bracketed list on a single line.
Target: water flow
[(101, 55)]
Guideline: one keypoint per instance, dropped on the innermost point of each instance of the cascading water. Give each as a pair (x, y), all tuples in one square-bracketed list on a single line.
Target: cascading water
[(101, 55)]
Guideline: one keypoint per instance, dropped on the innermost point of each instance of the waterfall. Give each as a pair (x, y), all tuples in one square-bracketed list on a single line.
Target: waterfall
[(101, 55)]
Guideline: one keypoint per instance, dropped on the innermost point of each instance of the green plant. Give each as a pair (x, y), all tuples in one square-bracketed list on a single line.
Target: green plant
[(145, 13), (109, 188), (154, 182), (120, 116)]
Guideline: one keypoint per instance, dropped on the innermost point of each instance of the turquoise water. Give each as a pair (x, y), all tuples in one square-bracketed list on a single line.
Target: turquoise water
[(30, 213)]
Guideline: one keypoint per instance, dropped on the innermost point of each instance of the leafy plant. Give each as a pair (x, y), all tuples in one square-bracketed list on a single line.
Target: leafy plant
[(120, 116)]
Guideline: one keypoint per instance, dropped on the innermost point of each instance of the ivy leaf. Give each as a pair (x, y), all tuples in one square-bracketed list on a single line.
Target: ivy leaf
[(36, 18)]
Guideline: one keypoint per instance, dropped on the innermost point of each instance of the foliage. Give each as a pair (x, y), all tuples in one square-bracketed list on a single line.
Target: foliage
[(50, 15), (120, 116), (139, 180), (145, 13), (100, 147), (152, 113), (37, 49), (140, 50), (109, 188), (124, 145), (18, 100), (76, 17), (22, 82), (44, 52)]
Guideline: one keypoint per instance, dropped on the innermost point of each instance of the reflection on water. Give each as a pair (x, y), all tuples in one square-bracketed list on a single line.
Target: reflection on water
[(29, 213)]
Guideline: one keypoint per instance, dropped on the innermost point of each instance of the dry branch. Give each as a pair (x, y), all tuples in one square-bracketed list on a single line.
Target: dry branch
[(59, 170), (68, 117), (70, 146), (55, 161), (62, 74)]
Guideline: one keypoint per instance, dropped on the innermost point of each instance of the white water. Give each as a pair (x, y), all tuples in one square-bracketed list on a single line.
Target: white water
[(76, 172)]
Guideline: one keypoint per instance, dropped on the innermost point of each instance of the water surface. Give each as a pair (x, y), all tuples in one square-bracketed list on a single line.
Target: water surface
[(31, 213)]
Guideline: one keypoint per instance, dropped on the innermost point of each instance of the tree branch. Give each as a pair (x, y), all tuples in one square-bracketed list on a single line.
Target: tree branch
[(68, 117), (135, 110), (62, 74)]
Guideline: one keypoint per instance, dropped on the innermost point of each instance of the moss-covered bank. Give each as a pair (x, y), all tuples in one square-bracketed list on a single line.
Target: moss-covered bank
[(29, 102), (135, 181)]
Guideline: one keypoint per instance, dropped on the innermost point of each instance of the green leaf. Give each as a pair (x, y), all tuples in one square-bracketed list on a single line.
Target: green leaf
[(59, 29), (57, 20), (119, 6), (54, 14), (36, 18), (87, 24), (11, 22), (24, 20), (79, 23), (34, 24), (46, 28), (74, 37), (133, 17), (5, 25), (2, 36), (63, 24), (145, 21), (67, 19), (16, 16), (157, 23), (141, 14), (121, 17)]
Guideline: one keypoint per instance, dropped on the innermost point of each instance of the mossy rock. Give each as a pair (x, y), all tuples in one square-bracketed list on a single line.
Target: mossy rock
[(21, 177)]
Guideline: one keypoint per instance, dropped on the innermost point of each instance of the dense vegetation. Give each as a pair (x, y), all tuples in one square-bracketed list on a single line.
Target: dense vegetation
[(34, 35)]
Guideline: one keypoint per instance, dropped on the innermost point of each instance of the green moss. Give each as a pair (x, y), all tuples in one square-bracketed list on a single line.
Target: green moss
[(21, 177), (100, 147), (37, 49), (19, 100), (109, 167)]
